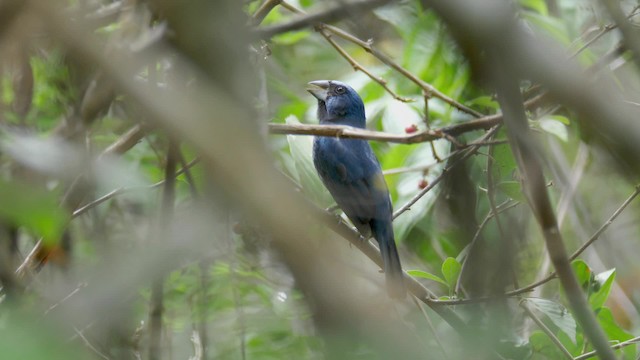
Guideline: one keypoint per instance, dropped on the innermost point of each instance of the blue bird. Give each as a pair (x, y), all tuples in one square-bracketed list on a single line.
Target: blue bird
[(352, 173)]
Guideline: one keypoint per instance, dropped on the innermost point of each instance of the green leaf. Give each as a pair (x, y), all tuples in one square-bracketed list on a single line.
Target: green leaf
[(558, 314), (486, 101), (614, 332), (552, 26), (563, 119), (504, 164), (554, 127), (540, 6), (512, 189), (583, 272), (426, 275), (450, 270), (403, 16), (301, 151), (541, 344), (604, 281), (291, 37)]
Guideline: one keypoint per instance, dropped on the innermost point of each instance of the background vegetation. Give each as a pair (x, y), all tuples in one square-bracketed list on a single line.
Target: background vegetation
[(158, 198)]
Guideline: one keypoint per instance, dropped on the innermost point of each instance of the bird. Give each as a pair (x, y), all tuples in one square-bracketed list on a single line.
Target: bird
[(351, 172)]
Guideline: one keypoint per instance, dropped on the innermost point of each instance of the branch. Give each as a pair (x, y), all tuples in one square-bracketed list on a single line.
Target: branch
[(348, 132), (335, 13), (124, 190), (263, 11), (591, 354)]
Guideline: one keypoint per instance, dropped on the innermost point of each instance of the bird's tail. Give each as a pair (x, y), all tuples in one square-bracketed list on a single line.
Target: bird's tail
[(383, 233)]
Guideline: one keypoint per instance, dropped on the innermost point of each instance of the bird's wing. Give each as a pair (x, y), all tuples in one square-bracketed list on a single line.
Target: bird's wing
[(353, 176)]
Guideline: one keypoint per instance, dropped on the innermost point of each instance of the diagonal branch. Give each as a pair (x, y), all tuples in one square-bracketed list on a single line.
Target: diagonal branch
[(529, 165), (335, 13)]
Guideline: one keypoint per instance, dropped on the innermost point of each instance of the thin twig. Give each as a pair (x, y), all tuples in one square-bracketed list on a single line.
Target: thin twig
[(358, 67), (431, 327), (426, 87), (625, 343), (421, 168), (354, 64), (123, 190), (88, 344), (264, 10), (582, 248), (508, 204), (472, 150)]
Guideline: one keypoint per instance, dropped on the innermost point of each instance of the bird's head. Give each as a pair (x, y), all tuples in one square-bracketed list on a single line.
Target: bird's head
[(338, 103)]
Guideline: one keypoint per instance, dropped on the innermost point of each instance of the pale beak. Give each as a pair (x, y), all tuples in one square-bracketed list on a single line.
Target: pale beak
[(319, 89)]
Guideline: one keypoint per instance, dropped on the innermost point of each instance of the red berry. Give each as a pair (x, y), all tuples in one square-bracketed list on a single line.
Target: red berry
[(423, 184), (411, 129)]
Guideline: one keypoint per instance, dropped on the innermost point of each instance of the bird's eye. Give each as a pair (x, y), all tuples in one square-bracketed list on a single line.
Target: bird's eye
[(339, 90)]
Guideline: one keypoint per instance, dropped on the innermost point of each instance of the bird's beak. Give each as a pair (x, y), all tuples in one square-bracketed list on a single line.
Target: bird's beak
[(319, 89)]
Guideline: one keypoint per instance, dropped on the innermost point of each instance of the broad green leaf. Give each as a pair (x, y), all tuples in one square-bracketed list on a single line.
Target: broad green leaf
[(290, 38), (426, 275), (301, 151), (604, 280), (614, 332), (554, 127), (542, 345), (512, 189), (402, 17), (557, 313), (540, 6), (573, 345), (485, 101), (583, 273), (394, 158), (552, 26), (504, 164), (563, 119), (450, 270)]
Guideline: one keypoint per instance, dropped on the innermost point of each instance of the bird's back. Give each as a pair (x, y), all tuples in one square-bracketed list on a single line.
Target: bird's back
[(351, 172)]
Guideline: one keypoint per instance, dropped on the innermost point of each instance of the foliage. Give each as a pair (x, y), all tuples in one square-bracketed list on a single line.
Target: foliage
[(100, 212)]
